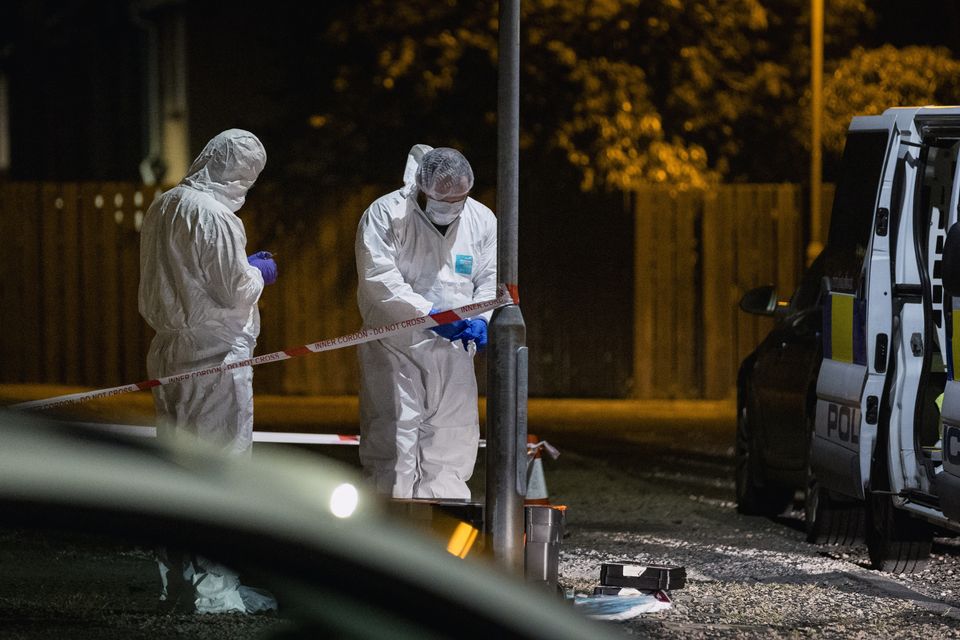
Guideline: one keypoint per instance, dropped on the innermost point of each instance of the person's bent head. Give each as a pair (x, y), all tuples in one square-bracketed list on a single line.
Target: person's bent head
[(445, 178), (445, 174), (228, 166)]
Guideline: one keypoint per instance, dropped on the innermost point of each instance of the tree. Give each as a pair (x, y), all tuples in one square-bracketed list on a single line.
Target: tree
[(629, 92), (872, 80)]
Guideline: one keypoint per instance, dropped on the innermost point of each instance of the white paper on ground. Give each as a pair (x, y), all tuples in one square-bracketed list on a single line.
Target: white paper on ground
[(624, 606)]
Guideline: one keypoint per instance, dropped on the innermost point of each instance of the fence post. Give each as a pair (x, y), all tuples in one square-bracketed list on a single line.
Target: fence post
[(643, 292), (32, 265), (685, 308), (788, 239), (717, 269), (71, 283)]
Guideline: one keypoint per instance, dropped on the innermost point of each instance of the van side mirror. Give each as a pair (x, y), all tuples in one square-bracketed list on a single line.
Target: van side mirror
[(761, 301), (951, 261)]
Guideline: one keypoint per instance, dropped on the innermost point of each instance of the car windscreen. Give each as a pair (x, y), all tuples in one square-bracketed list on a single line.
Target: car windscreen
[(856, 195)]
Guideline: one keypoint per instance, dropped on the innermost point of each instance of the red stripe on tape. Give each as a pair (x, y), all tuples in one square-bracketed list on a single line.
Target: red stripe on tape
[(344, 438), (514, 292), (359, 337), (445, 317)]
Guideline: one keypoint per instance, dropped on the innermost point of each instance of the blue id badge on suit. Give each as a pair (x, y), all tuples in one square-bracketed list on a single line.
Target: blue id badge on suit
[(464, 264)]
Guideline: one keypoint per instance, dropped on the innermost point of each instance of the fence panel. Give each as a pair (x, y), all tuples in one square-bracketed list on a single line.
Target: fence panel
[(11, 318), (697, 253), (112, 305), (645, 290), (267, 378), (686, 338), (70, 279), (667, 358), (746, 273), (30, 238), (53, 268), (69, 314), (315, 298), (135, 341), (719, 321), (663, 317)]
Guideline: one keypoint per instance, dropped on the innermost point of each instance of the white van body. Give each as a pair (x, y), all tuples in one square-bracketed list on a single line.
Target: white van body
[(879, 436)]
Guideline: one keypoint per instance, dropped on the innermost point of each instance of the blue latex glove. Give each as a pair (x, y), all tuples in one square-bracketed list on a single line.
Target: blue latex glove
[(263, 260), (476, 331), (467, 331), (451, 331)]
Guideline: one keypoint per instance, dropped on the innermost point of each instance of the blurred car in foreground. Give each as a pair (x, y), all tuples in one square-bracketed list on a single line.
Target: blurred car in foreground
[(337, 565)]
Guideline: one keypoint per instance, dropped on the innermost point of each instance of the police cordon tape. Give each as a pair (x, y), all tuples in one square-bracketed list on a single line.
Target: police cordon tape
[(287, 437), (505, 296)]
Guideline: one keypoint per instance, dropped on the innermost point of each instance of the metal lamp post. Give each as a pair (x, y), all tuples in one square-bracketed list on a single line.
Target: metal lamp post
[(507, 360), (816, 116)]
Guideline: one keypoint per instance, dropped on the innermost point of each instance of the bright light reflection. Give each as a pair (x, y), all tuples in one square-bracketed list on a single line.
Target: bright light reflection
[(462, 540), (343, 500)]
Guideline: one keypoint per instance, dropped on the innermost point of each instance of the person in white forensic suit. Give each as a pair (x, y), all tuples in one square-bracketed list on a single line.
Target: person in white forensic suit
[(424, 248), (199, 292)]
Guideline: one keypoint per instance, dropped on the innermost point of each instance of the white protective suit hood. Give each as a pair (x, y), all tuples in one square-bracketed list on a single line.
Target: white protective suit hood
[(410, 171), (227, 167)]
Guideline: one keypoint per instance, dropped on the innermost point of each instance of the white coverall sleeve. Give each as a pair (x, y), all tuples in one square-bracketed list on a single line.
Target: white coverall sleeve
[(485, 281), (379, 277), (230, 280)]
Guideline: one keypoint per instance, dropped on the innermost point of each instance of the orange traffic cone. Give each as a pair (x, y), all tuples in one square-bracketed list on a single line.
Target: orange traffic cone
[(536, 482)]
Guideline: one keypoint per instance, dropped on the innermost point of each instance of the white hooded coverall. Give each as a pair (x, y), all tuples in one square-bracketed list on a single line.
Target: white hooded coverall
[(419, 419), (199, 293)]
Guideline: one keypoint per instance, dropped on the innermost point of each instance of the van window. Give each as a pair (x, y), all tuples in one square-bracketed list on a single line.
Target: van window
[(856, 195)]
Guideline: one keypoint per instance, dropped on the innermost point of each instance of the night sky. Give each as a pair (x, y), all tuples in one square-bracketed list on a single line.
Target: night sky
[(77, 91)]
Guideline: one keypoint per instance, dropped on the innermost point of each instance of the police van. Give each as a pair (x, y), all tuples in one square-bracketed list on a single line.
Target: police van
[(858, 386)]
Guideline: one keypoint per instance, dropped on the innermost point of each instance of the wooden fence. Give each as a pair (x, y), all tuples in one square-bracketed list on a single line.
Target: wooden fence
[(68, 299), (68, 302), (696, 254), (314, 297)]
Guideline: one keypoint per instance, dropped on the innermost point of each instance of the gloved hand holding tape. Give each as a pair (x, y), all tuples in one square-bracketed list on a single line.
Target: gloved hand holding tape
[(503, 298)]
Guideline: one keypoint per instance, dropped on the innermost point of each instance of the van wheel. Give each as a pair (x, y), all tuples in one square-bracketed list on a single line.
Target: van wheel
[(753, 498), (897, 542), (830, 520)]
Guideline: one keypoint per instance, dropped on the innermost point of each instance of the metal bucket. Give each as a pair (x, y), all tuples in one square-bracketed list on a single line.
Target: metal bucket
[(544, 532)]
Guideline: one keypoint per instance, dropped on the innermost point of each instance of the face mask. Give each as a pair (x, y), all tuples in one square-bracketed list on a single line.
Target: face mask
[(232, 194), (443, 213)]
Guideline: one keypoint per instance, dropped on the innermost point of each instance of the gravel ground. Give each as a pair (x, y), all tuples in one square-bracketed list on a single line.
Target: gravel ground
[(658, 499), (652, 495)]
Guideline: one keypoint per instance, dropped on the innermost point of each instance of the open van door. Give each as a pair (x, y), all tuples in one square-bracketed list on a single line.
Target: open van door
[(948, 482), (857, 312)]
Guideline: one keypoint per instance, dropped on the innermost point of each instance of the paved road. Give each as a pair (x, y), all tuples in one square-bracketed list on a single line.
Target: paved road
[(665, 495)]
